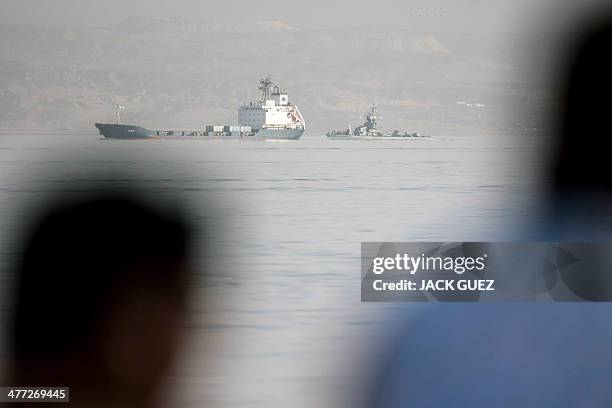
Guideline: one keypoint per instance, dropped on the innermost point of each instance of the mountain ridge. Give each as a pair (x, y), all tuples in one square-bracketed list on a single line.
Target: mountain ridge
[(191, 72)]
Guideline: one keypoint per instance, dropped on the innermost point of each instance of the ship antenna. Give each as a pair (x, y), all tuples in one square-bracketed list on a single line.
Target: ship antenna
[(119, 108)]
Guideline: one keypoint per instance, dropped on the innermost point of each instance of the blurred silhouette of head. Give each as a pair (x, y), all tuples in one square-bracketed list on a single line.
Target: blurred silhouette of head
[(581, 161), (581, 176), (102, 285)]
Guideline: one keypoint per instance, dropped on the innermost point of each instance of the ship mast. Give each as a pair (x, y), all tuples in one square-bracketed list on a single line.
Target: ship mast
[(119, 108), (267, 87), (371, 118)]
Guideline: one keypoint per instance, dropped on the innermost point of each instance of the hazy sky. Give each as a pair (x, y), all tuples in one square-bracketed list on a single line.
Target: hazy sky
[(473, 16), (440, 15)]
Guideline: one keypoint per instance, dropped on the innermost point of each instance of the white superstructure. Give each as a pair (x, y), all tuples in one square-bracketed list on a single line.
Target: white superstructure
[(273, 113)]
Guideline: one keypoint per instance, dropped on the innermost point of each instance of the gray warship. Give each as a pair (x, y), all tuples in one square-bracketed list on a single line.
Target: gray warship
[(368, 131), (271, 117)]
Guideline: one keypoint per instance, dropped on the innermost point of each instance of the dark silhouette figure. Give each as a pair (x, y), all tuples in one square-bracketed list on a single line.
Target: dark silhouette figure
[(581, 180), (102, 286), (580, 200), (581, 162)]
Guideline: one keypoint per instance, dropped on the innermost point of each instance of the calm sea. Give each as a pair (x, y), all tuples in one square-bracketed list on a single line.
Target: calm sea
[(282, 324)]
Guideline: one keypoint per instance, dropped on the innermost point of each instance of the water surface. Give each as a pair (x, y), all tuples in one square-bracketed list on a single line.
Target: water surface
[(283, 325)]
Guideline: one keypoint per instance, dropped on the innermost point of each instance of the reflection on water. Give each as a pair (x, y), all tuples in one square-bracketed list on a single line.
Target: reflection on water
[(284, 322)]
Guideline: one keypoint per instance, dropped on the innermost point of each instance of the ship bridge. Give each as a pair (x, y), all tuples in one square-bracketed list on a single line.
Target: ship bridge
[(272, 111)]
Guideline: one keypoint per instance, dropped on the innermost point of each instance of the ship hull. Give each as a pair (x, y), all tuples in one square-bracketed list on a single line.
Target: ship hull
[(115, 131), (280, 134), (353, 137)]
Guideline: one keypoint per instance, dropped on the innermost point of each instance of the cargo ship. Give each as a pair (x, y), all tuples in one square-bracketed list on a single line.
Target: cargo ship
[(368, 131), (271, 117)]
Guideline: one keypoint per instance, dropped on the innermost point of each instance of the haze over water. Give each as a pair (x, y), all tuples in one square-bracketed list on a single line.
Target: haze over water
[(283, 325)]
